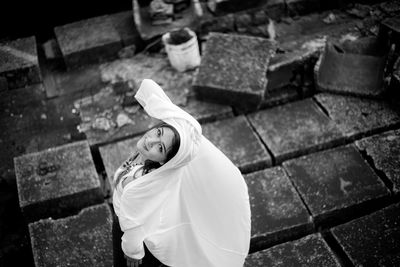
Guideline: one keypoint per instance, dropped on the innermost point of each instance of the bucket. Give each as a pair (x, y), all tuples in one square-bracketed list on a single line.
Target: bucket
[(183, 56)]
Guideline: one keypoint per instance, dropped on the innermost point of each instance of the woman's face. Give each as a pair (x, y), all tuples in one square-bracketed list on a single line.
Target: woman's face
[(155, 144)]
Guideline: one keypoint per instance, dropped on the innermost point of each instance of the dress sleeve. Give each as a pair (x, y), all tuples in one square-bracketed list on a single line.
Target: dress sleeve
[(158, 105), (132, 242)]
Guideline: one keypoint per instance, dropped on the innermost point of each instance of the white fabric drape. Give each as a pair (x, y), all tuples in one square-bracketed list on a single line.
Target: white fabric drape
[(194, 210)]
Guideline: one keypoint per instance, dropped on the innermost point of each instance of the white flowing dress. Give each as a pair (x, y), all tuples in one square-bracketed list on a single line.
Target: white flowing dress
[(192, 211)]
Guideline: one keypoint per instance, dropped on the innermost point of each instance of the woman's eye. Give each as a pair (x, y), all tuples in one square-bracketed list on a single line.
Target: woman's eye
[(160, 148), (158, 132)]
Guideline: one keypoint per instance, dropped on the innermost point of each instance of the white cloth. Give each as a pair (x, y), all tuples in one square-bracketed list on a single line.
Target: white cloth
[(194, 210)]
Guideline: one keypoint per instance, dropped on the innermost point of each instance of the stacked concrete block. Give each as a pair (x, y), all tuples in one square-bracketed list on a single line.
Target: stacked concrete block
[(88, 41), (84, 239), (336, 184), (278, 214), (233, 70), (235, 138), (19, 65), (57, 182)]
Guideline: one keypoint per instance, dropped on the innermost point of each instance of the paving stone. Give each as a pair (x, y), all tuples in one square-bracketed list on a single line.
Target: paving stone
[(113, 155), (311, 250), (235, 138), (217, 24), (281, 96), (88, 41), (125, 26), (372, 240), (219, 7), (358, 117), (223, 78), (14, 101), (19, 65), (335, 184), (57, 181), (295, 129), (356, 69), (278, 214), (384, 149), (83, 239)]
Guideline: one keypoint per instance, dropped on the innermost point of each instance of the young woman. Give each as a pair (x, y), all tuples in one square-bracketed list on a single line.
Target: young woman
[(179, 194)]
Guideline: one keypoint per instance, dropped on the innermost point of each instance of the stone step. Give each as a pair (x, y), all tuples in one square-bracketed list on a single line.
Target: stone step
[(336, 185), (236, 139), (295, 129), (383, 150), (311, 250), (232, 70), (19, 65), (278, 214), (81, 240), (372, 240), (358, 117), (57, 182)]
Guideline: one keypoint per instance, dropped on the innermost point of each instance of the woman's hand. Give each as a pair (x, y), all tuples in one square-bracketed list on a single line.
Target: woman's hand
[(131, 262)]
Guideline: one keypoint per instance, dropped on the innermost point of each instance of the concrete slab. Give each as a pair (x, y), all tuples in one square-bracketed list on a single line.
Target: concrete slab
[(223, 78), (235, 138), (372, 240), (88, 41), (295, 129), (19, 65), (278, 214), (57, 181), (311, 250), (125, 25), (83, 239), (281, 96), (358, 117), (384, 150), (336, 184), (205, 112)]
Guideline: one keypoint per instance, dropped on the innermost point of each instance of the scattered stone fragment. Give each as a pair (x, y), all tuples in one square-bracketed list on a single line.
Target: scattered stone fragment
[(358, 117), (372, 240), (295, 129), (88, 41), (278, 214), (330, 185), (384, 149), (57, 181), (83, 239), (224, 78), (235, 138), (127, 52), (311, 250), (123, 119), (19, 65)]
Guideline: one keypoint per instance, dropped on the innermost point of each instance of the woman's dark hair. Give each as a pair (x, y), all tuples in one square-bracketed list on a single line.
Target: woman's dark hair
[(176, 141), (149, 164)]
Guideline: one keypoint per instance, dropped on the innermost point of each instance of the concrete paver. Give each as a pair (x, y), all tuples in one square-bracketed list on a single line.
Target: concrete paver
[(335, 184), (311, 250), (295, 129), (57, 181), (224, 78), (237, 140), (83, 239), (372, 240), (358, 117), (278, 213), (384, 149), (19, 65)]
